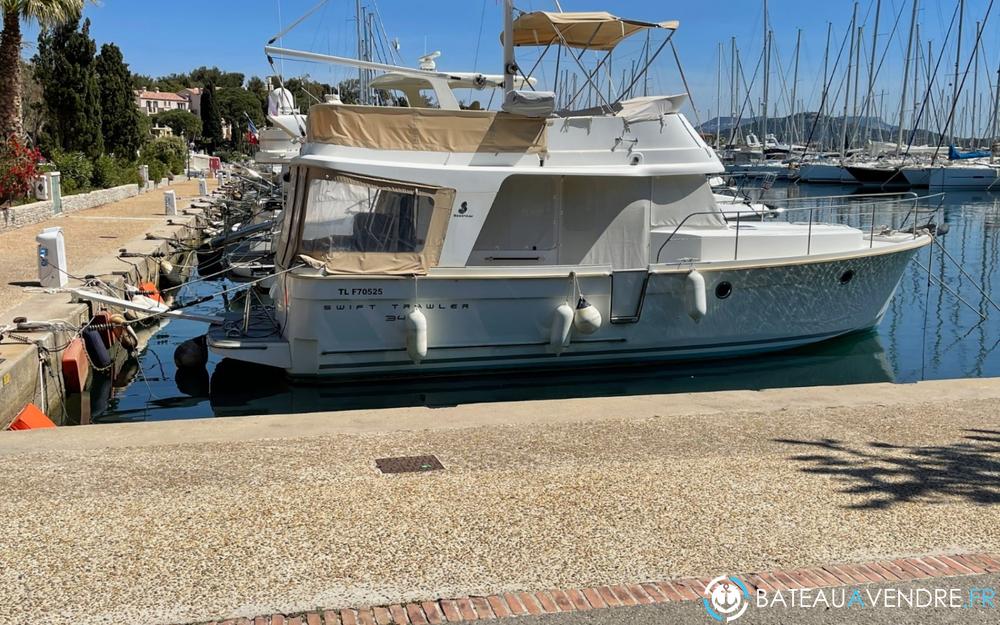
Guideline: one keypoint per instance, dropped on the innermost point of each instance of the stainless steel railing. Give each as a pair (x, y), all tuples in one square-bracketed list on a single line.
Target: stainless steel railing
[(854, 213)]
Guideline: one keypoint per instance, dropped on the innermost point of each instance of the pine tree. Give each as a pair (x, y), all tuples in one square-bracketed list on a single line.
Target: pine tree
[(66, 68), (119, 114), (211, 118)]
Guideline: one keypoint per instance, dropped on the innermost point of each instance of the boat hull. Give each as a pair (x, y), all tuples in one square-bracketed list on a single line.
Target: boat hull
[(919, 177), (965, 178), (879, 177), (823, 173), (349, 327)]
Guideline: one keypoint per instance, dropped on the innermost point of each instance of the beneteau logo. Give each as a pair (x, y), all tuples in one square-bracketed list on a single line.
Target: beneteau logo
[(462, 210), (726, 599)]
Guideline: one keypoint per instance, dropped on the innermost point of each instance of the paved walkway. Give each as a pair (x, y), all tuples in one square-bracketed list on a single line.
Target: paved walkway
[(90, 235), (190, 521)]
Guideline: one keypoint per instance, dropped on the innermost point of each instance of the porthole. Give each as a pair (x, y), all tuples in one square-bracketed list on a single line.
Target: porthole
[(847, 276), (723, 290)]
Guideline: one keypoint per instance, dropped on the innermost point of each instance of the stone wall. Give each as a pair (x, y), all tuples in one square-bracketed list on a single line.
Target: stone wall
[(36, 212)]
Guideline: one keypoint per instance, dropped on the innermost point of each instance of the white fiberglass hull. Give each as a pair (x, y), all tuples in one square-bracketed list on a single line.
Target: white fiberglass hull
[(825, 173), (354, 327), (918, 176), (971, 178)]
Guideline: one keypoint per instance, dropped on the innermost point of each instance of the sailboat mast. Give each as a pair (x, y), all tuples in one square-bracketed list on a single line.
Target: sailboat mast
[(975, 84), (826, 68), (734, 92), (857, 81), (904, 102), (917, 49), (871, 68), (847, 92), (361, 52), (767, 71), (958, 61), (718, 101), (795, 84), (996, 110)]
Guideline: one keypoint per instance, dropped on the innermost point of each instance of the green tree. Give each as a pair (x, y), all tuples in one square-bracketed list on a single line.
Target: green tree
[(308, 92), (32, 105), (47, 13), (66, 68), (119, 114), (258, 88), (211, 118), (182, 123), (236, 104), (171, 151), (222, 80)]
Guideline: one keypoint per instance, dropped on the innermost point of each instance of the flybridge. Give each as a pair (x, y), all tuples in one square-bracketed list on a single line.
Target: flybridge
[(578, 88)]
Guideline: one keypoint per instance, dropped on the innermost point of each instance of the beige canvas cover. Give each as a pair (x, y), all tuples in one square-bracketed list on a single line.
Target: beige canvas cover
[(378, 263), (596, 30), (425, 130)]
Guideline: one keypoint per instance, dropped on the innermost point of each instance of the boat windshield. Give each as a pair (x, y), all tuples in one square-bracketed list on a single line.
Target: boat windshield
[(342, 216), (362, 225)]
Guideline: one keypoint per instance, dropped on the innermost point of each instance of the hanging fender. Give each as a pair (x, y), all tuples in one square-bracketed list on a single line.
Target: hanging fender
[(586, 319), (416, 336), (562, 325), (697, 300)]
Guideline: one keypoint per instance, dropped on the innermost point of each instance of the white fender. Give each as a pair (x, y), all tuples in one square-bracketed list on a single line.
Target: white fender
[(587, 318), (697, 300), (562, 324), (416, 336)]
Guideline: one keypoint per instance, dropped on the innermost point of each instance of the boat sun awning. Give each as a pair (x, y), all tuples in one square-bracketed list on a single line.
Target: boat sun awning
[(594, 30)]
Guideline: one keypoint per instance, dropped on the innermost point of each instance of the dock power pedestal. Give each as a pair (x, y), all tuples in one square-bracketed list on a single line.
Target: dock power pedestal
[(52, 258)]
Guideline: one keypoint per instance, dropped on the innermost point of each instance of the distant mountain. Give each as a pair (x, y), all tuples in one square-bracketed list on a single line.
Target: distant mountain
[(825, 130)]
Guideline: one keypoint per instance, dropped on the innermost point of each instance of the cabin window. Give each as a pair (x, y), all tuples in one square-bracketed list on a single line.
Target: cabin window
[(343, 216)]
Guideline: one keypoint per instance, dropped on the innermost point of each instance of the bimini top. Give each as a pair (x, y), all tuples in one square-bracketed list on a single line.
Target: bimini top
[(597, 30)]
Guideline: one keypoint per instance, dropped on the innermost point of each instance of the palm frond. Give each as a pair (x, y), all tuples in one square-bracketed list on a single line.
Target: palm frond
[(45, 12)]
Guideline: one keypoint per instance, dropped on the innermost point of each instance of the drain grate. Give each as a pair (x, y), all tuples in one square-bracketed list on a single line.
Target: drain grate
[(408, 464)]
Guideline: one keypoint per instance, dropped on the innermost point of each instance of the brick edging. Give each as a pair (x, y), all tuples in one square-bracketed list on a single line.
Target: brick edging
[(511, 604)]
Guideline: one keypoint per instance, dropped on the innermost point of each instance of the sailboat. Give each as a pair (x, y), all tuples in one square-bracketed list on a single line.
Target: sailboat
[(444, 240)]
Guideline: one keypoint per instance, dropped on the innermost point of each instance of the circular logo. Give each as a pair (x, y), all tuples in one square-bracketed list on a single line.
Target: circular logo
[(726, 599)]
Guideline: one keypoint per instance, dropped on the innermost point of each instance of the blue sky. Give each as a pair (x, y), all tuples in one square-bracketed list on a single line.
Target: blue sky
[(170, 37)]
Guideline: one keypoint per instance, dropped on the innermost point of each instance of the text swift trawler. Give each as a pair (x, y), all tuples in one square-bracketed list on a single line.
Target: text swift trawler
[(546, 234)]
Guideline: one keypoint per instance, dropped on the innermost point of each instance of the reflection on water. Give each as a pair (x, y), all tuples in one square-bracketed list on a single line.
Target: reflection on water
[(927, 333)]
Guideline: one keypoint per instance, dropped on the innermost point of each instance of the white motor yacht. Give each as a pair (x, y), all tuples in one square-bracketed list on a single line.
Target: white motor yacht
[(421, 240)]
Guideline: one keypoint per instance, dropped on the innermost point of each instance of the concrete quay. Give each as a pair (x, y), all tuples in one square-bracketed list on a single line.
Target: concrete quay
[(196, 521), (93, 239)]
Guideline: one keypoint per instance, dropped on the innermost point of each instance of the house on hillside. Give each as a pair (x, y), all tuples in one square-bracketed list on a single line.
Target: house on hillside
[(193, 95), (153, 102)]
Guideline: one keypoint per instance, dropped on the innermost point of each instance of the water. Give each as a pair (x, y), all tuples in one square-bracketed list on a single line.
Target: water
[(926, 334)]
